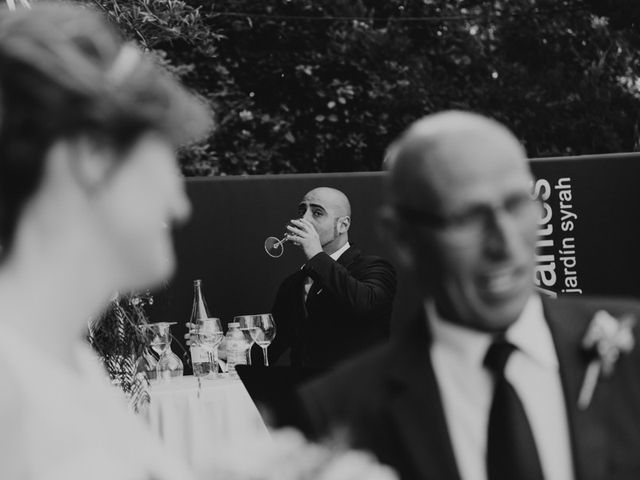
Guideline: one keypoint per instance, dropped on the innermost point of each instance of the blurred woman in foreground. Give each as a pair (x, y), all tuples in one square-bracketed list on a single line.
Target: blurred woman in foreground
[(89, 187)]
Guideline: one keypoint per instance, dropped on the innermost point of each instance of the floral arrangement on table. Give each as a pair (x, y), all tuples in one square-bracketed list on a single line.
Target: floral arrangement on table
[(117, 338)]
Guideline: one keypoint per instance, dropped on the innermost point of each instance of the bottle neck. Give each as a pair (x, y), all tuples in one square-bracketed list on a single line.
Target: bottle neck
[(199, 310)]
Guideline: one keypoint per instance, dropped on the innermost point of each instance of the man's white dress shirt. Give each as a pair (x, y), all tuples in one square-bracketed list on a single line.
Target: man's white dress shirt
[(466, 389), (335, 256)]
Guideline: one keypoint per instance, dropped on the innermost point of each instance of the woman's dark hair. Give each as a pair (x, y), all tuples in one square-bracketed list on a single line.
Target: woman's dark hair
[(66, 73)]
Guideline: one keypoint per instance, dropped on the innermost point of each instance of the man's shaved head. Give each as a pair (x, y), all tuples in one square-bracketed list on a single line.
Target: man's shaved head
[(329, 211), (438, 147), (463, 218), (330, 198)]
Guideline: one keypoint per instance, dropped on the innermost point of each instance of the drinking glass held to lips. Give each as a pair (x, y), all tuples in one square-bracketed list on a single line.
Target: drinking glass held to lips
[(274, 246)]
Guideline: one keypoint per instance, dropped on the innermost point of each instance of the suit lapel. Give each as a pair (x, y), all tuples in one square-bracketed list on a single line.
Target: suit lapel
[(419, 417), (298, 284), (346, 260), (416, 406), (587, 428)]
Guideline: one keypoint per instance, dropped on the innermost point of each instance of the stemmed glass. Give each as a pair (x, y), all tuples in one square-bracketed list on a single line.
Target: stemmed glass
[(246, 326), (159, 337), (275, 246), (264, 333), (147, 363), (208, 333)]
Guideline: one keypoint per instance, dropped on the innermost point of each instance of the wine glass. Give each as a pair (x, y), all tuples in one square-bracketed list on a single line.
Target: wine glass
[(146, 363), (275, 246), (264, 333), (169, 365), (159, 336), (207, 333), (246, 326)]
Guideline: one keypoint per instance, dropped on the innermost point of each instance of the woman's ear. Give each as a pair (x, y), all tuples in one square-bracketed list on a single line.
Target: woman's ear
[(90, 164)]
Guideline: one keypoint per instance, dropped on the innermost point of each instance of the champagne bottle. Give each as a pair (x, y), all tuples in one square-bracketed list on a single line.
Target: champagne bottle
[(199, 358)]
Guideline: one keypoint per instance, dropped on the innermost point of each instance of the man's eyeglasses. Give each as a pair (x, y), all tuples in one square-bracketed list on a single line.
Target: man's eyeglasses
[(475, 220)]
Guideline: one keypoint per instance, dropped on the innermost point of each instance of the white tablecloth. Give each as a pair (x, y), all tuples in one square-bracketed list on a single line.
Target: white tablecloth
[(201, 425)]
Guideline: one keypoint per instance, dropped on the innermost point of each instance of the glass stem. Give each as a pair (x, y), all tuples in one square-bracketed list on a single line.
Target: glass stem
[(215, 361), (158, 369), (249, 355), (266, 357), (212, 364)]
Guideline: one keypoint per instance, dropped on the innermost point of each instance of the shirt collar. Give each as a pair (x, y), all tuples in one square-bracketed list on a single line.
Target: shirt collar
[(529, 333), (338, 253), (532, 336), (335, 255), (468, 344)]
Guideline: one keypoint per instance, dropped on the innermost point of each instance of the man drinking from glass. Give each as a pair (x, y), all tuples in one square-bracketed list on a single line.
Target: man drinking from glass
[(339, 302)]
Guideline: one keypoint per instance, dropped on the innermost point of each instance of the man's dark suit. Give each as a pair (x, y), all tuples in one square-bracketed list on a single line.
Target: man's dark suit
[(389, 399), (347, 310)]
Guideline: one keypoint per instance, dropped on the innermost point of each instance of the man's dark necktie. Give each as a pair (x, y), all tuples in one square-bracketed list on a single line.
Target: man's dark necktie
[(511, 449), (307, 285), (313, 290)]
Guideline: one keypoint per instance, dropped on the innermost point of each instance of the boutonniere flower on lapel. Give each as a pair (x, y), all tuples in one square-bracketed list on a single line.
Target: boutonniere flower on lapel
[(606, 338)]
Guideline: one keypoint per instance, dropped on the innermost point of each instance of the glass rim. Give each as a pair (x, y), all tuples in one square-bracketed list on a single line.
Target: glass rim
[(157, 324)]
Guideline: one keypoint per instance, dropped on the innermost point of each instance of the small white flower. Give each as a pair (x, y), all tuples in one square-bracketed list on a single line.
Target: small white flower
[(246, 115), (606, 338)]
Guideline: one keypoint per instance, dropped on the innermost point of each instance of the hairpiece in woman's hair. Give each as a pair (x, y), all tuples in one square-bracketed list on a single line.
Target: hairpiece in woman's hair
[(12, 4), (126, 61)]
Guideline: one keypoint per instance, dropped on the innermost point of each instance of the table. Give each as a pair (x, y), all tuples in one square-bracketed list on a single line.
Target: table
[(200, 424)]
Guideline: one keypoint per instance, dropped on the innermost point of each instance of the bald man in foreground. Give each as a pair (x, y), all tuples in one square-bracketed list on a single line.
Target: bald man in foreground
[(339, 303), (487, 382)]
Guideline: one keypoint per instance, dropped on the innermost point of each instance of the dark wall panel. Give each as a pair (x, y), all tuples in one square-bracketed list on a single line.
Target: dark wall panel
[(232, 216)]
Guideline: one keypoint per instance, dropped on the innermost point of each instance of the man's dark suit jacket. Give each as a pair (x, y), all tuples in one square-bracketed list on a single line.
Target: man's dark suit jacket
[(347, 310), (389, 400)]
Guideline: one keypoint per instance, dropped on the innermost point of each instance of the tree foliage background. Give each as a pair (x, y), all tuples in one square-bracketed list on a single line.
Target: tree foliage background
[(320, 86)]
